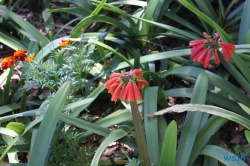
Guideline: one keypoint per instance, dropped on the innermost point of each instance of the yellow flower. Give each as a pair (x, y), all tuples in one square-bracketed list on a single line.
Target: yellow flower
[(30, 58)]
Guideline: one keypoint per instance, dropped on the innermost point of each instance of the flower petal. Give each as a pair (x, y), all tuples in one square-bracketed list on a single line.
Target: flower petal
[(111, 81), (141, 83), (115, 95), (228, 52), (115, 75), (207, 58), (216, 59), (195, 43), (136, 92), (138, 73), (202, 56)]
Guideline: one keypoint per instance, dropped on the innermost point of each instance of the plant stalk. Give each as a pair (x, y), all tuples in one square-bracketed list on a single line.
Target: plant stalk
[(140, 135)]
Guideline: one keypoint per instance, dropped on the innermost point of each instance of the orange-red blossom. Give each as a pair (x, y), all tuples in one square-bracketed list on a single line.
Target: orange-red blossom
[(18, 55), (203, 49), (64, 43), (125, 85)]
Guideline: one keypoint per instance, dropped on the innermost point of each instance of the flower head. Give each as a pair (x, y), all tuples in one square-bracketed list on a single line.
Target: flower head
[(30, 58), (20, 55), (203, 49), (125, 85), (64, 43), (7, 62)]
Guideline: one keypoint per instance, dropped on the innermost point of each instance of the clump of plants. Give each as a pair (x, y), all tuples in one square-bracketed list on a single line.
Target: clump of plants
[(69, 62)]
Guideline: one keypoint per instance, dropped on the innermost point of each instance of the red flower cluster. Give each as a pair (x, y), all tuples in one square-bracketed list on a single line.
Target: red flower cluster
[(18, 55), (125, 85), (203, 49), (64, 42), (7, 62)]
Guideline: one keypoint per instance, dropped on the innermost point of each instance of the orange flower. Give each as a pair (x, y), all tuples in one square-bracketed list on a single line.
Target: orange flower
[(30, 58), (125, 85), (20, 55), (64, 43), (7, 62), (203, 49)]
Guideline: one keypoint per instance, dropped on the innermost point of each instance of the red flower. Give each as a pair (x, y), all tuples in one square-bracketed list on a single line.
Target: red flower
[(7, 62), (125, 85), (203, 49), (20, 55), (64, 43)]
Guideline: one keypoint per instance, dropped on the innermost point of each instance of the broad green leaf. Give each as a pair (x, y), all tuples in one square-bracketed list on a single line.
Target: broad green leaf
[(193, 121), (151, 124), (11, 42), (208, 109), (155, 57), (168, 153), (8, 132), (113, 136), (47, 127), (221, 155)]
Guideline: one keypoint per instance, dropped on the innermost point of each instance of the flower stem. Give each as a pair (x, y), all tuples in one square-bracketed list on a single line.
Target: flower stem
[(140, 135)]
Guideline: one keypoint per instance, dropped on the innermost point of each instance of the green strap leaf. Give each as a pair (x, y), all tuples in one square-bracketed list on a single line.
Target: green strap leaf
[(210, 128), (193, 121), (168, 153), (151, 124), (47, 127), (222, 155), (208, 109)]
